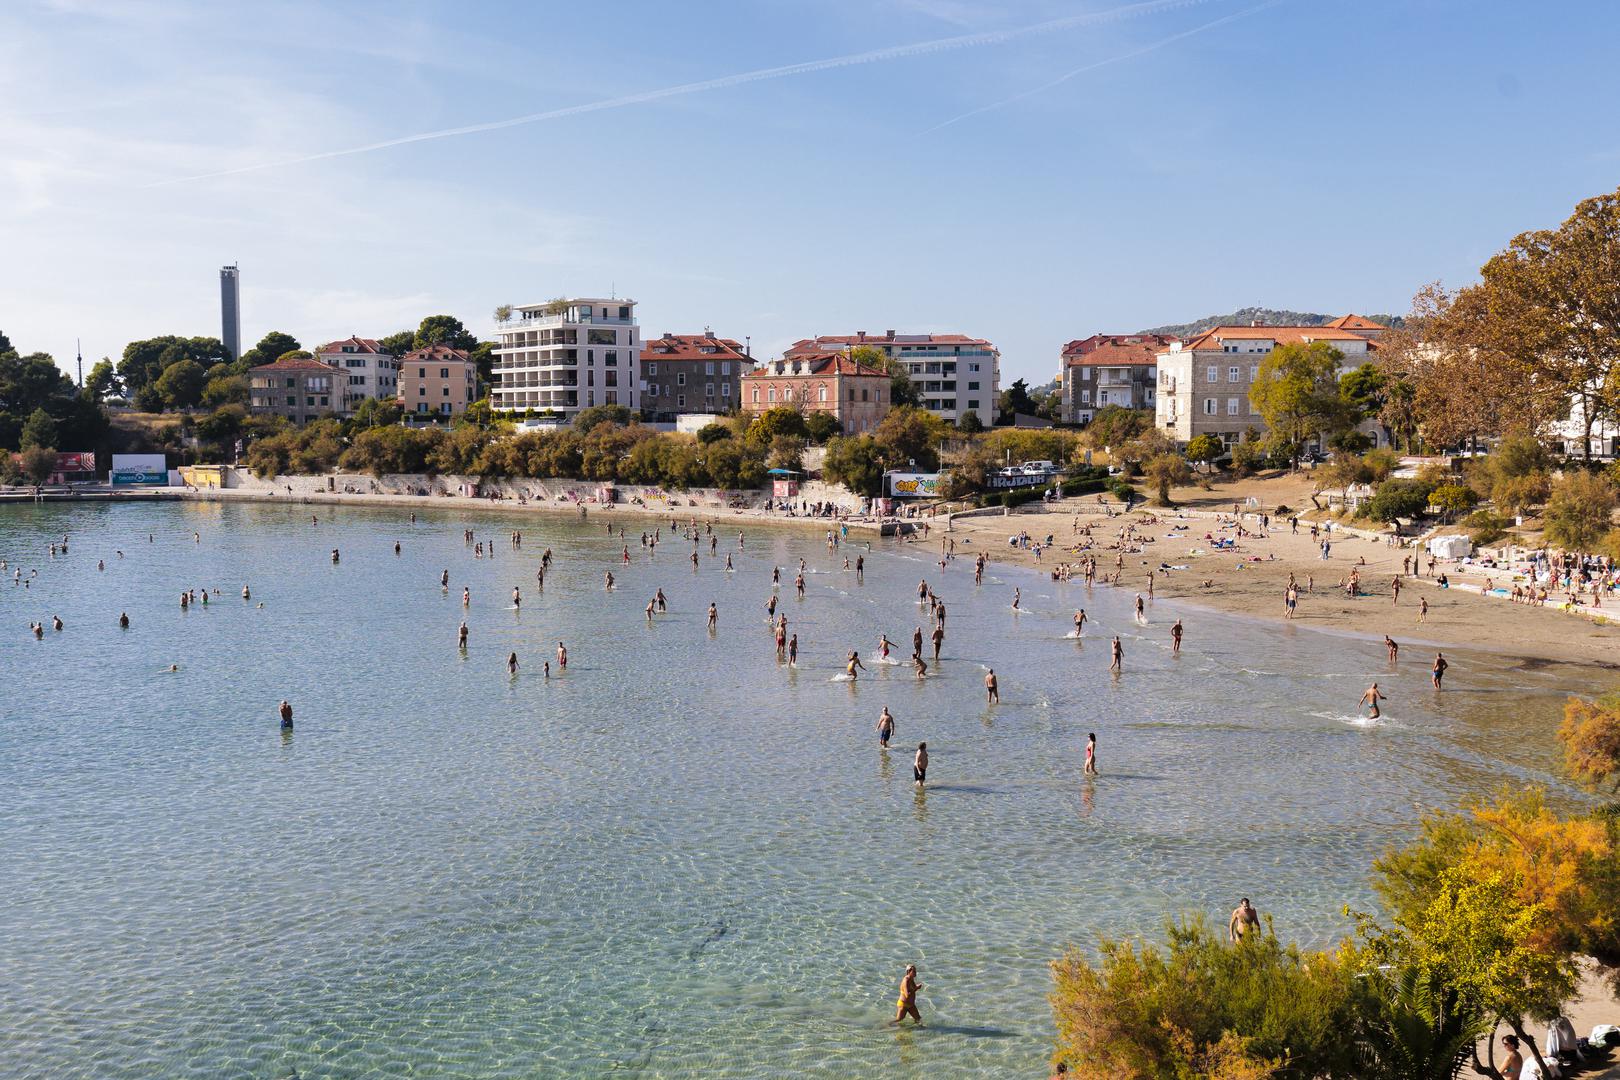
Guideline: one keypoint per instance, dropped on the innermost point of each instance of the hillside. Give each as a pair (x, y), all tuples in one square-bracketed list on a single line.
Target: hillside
[(1264, 316)]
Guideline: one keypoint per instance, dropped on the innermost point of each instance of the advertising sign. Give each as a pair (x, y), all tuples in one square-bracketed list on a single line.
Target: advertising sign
[(914, 485), (784, 489), (139, 469)]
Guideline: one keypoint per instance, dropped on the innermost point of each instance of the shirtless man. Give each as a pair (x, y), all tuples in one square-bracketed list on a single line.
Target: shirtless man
[(123, 620), (1118, 652), (992, 692), (906, 1005), (663, 605), (1018, 594), (607, 581), (916, 642), (1438, 671), (919, 765), (1079, 621), (461, 635), (938, 639), (714, 616), (1423, 608), (793, 649), (517, 597), (1371, 699), (562, 657), (1141, 616), (1244, 918), (286, 714), (919, 666), (885, 727), (1175, 639)]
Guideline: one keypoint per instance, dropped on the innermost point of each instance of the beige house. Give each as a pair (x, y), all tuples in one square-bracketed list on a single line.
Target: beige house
[(1203, 384), (437, 381), (1110, 369), (820, 382)]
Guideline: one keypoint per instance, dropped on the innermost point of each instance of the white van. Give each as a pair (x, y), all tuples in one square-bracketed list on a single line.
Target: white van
[(1039, 468)]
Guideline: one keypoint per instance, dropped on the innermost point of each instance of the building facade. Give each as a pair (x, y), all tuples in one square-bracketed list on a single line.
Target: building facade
[(690, 373), (566, 355), (363, 371), (857, 395), (437, 381), (1110, 369), (230, 310), (299, 389), (953, 374), (1204, 383)]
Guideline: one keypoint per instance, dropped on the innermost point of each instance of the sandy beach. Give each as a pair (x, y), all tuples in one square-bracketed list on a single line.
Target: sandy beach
[(1251, 578)]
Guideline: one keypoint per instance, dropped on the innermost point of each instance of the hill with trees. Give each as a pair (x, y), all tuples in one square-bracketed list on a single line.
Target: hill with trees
[(1263, 316)]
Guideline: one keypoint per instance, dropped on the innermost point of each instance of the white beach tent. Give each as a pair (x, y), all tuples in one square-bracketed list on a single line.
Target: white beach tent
[(1451, 547)]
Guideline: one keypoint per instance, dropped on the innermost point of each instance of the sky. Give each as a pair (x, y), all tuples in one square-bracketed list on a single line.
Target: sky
[(1028, 172)]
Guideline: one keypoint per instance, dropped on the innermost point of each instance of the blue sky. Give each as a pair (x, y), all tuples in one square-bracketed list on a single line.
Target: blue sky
[(1324, 155)]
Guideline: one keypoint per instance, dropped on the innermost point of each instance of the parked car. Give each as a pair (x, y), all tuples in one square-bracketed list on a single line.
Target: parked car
[(1039, 468)]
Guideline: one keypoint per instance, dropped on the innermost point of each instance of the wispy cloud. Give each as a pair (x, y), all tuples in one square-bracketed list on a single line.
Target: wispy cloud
[(1094, 65), (873, 56)]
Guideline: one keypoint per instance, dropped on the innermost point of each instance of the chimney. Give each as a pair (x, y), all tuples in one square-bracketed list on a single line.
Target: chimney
[(891, 335), (708, 332), (1256, 322), (860, 335)]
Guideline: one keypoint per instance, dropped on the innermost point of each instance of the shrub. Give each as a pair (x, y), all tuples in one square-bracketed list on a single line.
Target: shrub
[(1453, 497), (1578, 513), (1397, 499)]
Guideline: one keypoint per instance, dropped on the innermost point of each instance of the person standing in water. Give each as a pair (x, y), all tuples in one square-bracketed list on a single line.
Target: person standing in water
[(1116, 665), (1393, 649), (1438, 671), (992, 691), (466, 596), (517, 597), (885, 727), (1175, 639), (1244, 918), (1018, 594), (123, 620), (1140, 614), (286, 714), (650, 605), (938, 638), (714, 616), (793, 649), (562, 657), (511, 664), (1079, 621), (461, 636), (906, 1004), (1091, 754), (919, 765), (1371, 699)]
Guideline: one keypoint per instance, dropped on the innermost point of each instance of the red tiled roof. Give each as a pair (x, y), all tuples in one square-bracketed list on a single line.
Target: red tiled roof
[(295, 363), (689, 347), (821, 363), (1117, 354), (436, 353), (1354, 322), (360, 344), (1082, 346), (1282, 335), (835, 342)]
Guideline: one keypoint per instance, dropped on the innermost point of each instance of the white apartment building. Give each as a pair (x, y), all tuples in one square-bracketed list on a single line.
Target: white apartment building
[(565, 355), (364, 371), (952, 373), (1204, 383)]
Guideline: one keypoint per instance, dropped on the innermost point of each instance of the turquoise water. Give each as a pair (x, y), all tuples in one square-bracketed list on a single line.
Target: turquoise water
[(679, 859)]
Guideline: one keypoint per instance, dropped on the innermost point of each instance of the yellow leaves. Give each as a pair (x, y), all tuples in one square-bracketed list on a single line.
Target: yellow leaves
[(1590, 736)]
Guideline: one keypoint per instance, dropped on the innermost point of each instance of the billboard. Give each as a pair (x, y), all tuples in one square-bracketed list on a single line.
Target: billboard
[(139, 469), (914, 485)]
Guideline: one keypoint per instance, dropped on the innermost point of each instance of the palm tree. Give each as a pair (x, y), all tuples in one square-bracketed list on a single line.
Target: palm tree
[(1414, 1028)]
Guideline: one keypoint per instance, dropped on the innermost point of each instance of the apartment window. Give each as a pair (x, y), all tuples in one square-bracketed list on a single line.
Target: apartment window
[(1231, 406), (725, 367), (973, 367), (1254, 372), (863, 393), (652, 369), (309, 401), (624, 312), (444, 391), (421, 373), (357, 380), (771, 392), (708, 389), (787, 395), (680, 401), (756, 395), (1085, 374), (1085, 397), (292, 384), (708, 367), (822, 393), (680, 378), (611, 357), (973, 386), (1209, 406), (725, 389), (974, 404), (1232, 374), (1102, 397), (421, 391), (1212, 374)]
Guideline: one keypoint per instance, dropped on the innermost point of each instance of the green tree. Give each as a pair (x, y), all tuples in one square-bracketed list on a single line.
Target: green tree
[(503, 313), (901, 389), (225, 390), (713, 433), (856, 462), (181, 384), (1164, 471), (1115, 425), (1578, 513), (143, 361), (1014, 400), (1453, 498), (444, 330), (1205, 449), (1363, 390), (1297, 393), (969, 423), (1412, 1025), (587, 419), (270, 348), (103, 381), (38, 462), (1590, 736), (908, 434), (223, 426), (398, 343), (1397, 499), (821, 426), (775, 421), (40, 430)]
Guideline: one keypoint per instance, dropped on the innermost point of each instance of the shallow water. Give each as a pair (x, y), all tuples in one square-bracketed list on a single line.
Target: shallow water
[(680, 858)]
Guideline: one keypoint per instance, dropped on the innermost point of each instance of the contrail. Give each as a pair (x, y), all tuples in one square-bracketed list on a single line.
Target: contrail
[(894, 52), (1172, 39)]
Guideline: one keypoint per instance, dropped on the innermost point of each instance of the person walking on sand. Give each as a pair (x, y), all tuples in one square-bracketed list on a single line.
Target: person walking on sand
[(1244, 918), (992, 691), (1392, 647), (286, 714), (1371, 699), (1091, 754), (919, 765), (1438, 671), (1175, 639), (885, 727), (1116, 665), (906, 1004), (1395, 592)]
